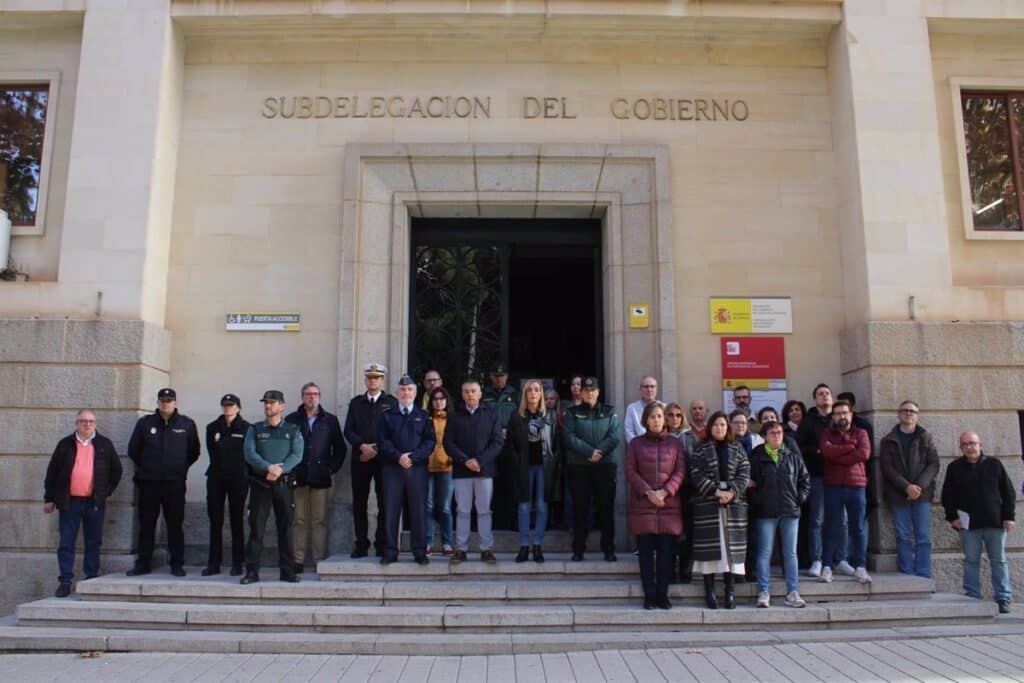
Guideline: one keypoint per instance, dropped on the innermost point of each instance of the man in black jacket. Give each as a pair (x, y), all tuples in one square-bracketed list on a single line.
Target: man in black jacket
[(83, 472), (226, 477), (364, 411), (163, 446), (979, 501), (323, 454), (472, 438)]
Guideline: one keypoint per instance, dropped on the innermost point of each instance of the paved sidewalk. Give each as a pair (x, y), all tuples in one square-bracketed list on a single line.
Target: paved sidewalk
[(971, 658)]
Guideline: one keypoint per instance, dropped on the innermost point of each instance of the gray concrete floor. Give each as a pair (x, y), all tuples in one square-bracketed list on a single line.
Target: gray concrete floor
[(994, 658)]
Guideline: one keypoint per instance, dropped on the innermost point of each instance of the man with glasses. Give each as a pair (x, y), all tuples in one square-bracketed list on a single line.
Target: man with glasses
[(741, 398), (910, 464), (163, 446), (323, 455), (431, 380), (648, 393), (978, 498), (83, 472), (845, 451)]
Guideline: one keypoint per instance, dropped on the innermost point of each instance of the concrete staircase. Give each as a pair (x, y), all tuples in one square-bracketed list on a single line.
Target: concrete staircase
[(360, 607)]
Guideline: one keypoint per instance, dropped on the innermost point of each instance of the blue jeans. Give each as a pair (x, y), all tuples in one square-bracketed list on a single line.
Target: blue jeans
[(816, 503), (81, 512), (439, 496), (788, 527), (913, 522), (995, 546), (852, 501), (536, 478)]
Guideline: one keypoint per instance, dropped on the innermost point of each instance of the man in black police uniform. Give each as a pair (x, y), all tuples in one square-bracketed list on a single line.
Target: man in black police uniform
[(405, 439), (273, 448), (364, 411), (503, 400), (323, 456), (226, 477), (163, 446)]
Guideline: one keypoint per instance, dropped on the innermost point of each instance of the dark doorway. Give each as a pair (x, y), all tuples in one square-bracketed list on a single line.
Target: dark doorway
[(525, 292)]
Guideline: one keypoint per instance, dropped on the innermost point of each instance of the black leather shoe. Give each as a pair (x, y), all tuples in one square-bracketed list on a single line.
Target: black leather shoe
[(250, 577), (662, 602), (1004, 605), (538, 554), (177, 570), (63, 590), (610, 557), (649, 603), (236, 570), (300, 568), (709, 591), (388, 560), (577, 557), (524, 553), (210, 571), (139, 570), (359, 552), (290, 578), (421, 559)]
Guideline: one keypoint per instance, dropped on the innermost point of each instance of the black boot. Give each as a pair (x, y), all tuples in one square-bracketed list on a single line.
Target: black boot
[(709, 591), (730, 591), (524, 553), (649, 602), (686, 563), (538, 554)]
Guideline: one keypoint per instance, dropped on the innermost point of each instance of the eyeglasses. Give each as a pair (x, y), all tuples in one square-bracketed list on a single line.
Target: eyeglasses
[(86, 422), (648, 386), (970, 443)]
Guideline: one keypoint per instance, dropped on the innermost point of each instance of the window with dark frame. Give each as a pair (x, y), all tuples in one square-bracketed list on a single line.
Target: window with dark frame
[(23, 108), (994, 137)]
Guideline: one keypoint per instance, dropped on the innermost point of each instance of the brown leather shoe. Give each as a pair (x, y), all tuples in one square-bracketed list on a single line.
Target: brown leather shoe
[(458, 557), (488, 557)]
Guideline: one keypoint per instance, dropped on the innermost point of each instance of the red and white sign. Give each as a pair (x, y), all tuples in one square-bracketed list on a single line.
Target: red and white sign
[(758, 363)]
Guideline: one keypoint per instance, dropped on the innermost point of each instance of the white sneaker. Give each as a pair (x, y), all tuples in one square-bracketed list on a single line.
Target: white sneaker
[(845, 568), (763, 599), (815, 570), (862, 575), (826, 575), (794, 600)]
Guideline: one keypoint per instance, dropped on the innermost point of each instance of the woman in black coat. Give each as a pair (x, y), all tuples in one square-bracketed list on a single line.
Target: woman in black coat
[(532, 434), (719, 472)]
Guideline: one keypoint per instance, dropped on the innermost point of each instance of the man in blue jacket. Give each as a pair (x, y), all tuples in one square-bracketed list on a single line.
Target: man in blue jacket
[(322, 457), (405, 439), (163, 446), (472, 437)]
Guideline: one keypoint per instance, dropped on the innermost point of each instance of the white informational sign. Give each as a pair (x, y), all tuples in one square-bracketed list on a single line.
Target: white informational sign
[(253, 321)]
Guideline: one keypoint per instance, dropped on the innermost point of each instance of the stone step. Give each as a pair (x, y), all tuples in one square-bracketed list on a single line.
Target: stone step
[(408, 589), (560, 618), (557, 565)]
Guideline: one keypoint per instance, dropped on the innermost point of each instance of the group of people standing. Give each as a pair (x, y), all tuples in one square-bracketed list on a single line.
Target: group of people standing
[(708, 494)]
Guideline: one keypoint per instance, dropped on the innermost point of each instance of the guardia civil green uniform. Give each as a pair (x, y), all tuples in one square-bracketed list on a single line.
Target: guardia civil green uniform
[(267, 445), (505, 502)]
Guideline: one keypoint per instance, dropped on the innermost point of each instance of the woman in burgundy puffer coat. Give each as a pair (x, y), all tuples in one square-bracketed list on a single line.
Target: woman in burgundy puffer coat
[(655, 468)]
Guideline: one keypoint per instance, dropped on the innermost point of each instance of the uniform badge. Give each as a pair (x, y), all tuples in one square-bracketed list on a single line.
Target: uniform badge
[(216, 437), (152, 430)]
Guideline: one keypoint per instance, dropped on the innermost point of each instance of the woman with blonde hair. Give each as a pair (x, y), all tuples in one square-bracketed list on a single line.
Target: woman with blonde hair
[(532, 432)]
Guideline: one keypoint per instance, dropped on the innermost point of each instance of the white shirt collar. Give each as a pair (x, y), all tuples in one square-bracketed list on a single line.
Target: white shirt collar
[(85, 442)]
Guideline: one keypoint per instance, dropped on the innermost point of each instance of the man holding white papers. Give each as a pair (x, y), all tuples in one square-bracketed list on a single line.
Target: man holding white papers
[(978, 498)]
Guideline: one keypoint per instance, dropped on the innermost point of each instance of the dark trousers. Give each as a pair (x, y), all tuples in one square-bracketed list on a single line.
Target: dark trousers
[(505, 503), (261, 499), (657, 554), (81, 512), (235, 490), (406, 486), (168, 496), (593, 483), (362, 473)]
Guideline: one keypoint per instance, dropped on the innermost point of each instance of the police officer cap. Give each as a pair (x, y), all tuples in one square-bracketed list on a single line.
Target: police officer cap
[(499, 369), (406, 380), (230, 399), (375, 370), (590, 383), (272, 395), (166, 394)]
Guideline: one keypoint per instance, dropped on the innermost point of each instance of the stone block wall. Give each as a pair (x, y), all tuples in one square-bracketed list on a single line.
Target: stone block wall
[(966, 376), (49, 369)]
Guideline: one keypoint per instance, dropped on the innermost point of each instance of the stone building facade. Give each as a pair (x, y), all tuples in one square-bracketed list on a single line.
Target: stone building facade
[(206, 157)]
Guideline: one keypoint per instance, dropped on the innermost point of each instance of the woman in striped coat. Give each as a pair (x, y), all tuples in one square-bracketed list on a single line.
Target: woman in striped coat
[(719, 473)]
